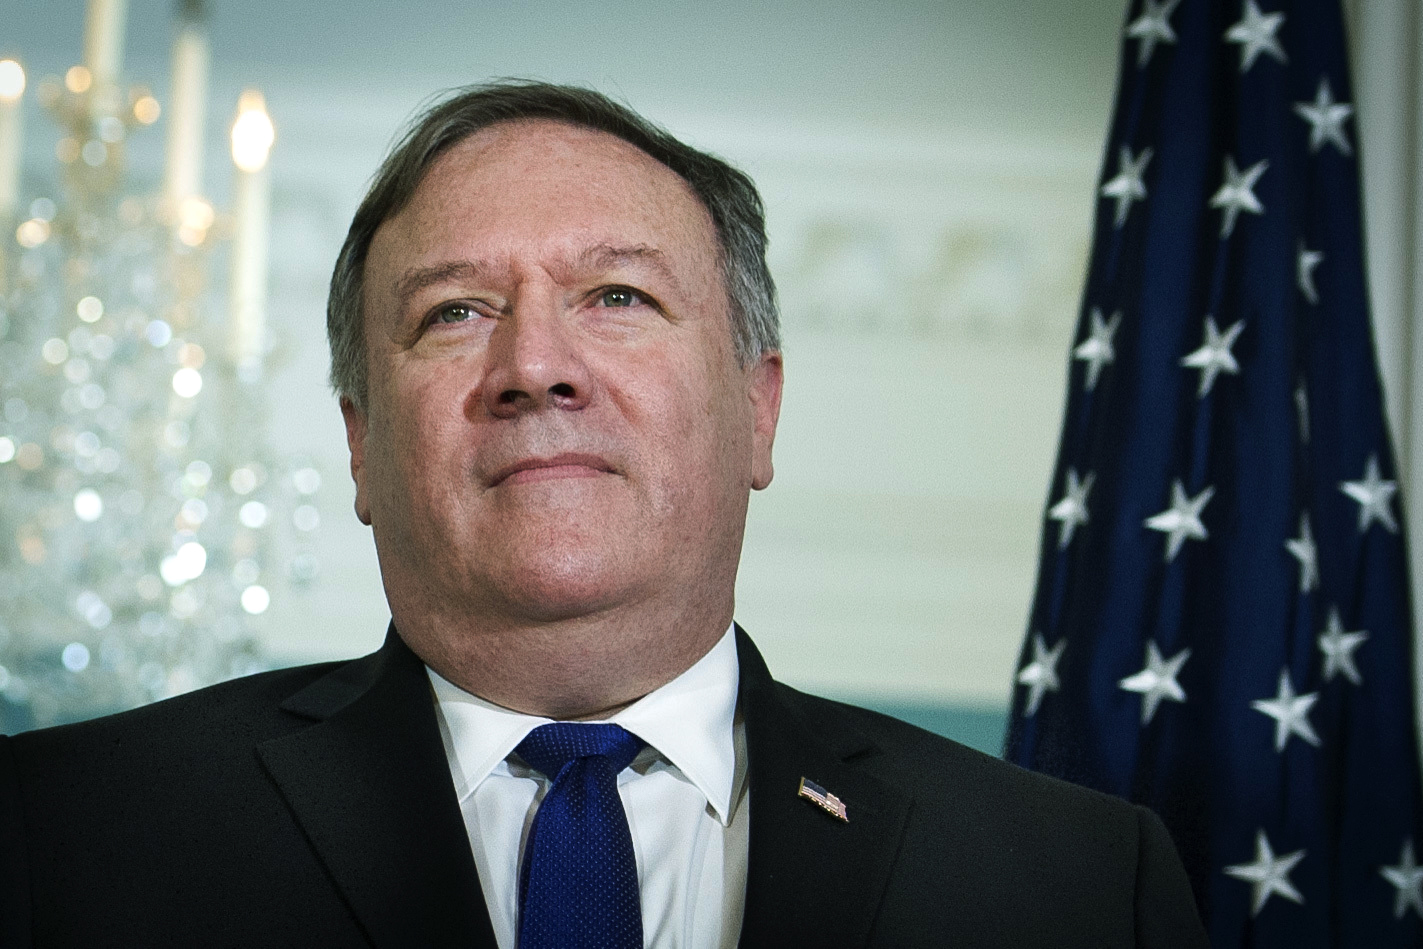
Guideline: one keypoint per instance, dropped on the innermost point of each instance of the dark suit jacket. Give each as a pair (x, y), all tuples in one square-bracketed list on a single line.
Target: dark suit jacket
[(314, 807)]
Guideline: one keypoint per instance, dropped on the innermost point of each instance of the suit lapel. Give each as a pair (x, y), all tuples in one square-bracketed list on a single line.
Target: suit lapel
[(370, 785), (811, 878)]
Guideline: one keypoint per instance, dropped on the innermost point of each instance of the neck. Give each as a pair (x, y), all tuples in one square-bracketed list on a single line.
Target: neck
[(575, 668)]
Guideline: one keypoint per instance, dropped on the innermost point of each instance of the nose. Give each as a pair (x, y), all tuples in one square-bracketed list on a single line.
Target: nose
[(533, 362)]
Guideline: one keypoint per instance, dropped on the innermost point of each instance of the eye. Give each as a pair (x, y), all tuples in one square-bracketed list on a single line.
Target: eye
[(620, 297), (453, 313)]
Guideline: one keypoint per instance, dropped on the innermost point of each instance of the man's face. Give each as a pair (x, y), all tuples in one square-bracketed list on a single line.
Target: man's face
[(557, 425)]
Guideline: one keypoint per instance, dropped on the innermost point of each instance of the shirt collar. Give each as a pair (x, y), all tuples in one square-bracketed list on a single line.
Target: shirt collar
[(689, 721)]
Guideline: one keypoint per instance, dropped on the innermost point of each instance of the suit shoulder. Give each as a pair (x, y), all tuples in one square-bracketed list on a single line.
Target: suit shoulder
[(934, 766), (244, 708), (1048, 862)]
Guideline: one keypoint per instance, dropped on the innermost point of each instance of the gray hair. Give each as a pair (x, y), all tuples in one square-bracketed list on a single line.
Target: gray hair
[(729, 196)]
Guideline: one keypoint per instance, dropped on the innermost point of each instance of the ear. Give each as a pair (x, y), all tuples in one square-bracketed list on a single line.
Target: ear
[(765, 391), (356, 442)]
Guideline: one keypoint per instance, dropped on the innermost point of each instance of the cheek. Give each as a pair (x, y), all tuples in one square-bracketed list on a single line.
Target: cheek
[(693, 431), (416, 443)]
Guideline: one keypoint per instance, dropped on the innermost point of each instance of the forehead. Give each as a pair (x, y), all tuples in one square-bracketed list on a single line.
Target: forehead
[(525, 182)]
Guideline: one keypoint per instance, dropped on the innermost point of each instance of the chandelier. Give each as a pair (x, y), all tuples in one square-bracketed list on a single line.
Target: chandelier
[(145, 523)]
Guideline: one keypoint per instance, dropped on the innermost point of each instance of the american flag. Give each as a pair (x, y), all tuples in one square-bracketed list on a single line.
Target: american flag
[(1221, 628), (822, 798)]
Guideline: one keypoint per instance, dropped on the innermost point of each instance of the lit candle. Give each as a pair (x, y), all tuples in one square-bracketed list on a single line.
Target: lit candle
[(183, 165), (104, 41), (252, 137), (12, 87)]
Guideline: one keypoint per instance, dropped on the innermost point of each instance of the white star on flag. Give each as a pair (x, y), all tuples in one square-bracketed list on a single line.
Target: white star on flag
[(1127, 186), (1256, 34), (1326, 119), (1373, 495), (1338, 648), (1096, 350), (1304, 271), (1182, 519), (1040, 675), (1302, 409), (1236, 194), (1152, 27), (1157, 681), (1407, 878), (1071, 511), (1269, 874), (1214, 356), (1290, 712), (1303, 549)]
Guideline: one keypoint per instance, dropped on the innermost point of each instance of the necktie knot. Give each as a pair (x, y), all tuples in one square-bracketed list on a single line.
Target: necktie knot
[(551, 748)]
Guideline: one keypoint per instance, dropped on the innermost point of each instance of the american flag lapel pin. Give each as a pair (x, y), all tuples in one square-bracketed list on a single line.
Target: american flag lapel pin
[(823, 799)]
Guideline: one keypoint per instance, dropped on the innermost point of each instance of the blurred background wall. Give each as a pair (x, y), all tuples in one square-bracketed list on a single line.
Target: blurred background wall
[(929, 170)]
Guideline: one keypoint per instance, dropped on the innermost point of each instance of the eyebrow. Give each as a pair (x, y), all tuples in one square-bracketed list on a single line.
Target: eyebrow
[(596, 258), (609, 256), (413, 281)]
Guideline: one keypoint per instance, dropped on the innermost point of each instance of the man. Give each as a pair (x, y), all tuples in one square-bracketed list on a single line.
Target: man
[(555, 342)]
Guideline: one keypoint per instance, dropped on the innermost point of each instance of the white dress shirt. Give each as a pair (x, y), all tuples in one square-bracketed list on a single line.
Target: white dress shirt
[(685, 796)]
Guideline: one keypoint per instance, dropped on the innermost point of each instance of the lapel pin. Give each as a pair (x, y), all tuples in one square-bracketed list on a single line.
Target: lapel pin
[(823, 799)]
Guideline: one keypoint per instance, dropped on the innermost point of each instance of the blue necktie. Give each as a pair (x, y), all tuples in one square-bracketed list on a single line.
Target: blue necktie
[(579, 886)]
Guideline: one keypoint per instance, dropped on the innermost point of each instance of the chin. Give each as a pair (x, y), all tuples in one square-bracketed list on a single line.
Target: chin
[(549, 586)]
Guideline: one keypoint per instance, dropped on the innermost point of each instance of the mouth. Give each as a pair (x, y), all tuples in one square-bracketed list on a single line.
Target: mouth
[(568, 465)]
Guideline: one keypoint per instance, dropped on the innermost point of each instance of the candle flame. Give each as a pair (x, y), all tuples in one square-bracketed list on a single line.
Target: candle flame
[(252, 133), (12, 80)]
